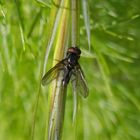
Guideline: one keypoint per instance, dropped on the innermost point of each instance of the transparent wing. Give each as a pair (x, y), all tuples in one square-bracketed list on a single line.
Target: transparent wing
[(75, 97), (79, 82), (53, 73)]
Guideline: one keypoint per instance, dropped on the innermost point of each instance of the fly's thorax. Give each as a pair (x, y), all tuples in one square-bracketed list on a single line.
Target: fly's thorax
[(72, 59)]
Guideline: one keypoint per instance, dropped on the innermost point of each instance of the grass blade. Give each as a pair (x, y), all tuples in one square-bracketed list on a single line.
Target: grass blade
[(56, 101), (75, 23), (86, 19)]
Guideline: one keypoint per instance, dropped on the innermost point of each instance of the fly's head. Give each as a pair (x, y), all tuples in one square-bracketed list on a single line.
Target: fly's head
[(73, 54)]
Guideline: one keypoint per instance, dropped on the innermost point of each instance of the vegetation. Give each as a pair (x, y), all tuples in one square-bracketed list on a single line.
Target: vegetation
[(111, 67)]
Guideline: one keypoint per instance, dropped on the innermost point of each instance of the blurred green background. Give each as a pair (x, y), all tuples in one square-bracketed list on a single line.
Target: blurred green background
[(112, 70)]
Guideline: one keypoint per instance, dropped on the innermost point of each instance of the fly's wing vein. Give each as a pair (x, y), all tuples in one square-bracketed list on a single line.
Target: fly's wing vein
[(53, 73)]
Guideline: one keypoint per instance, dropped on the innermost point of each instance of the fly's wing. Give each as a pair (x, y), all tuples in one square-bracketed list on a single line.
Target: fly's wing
[(75, 96), (53, 73), (79, 82)]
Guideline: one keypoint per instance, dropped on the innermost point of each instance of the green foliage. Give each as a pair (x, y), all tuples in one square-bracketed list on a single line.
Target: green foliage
[(112, 69)]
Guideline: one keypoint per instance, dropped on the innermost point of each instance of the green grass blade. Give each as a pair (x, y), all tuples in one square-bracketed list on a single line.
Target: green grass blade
[(75, 23), (53, 29), (86, 19), (103, 66), (36, 19), (21, 24), (57, 113), (43, 4), (58, 39)]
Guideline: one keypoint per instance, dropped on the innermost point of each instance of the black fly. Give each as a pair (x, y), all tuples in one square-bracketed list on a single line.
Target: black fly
[(71, 70)]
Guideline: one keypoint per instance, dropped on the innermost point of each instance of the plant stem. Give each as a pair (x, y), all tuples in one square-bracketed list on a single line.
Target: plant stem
[(74, 23)]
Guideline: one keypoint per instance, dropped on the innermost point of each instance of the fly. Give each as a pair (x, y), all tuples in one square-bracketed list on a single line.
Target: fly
[(71, 70)]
